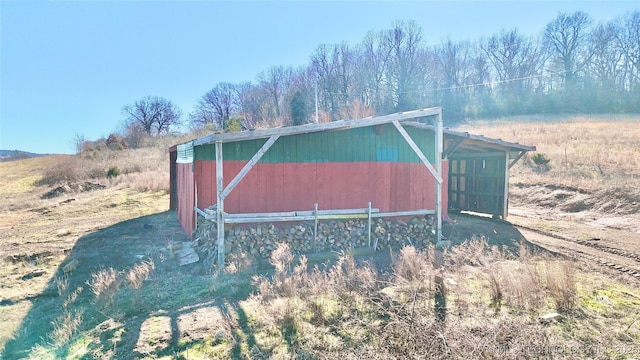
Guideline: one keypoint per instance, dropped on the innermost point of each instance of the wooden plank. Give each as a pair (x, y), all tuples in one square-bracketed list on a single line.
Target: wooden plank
[(438, 151), (402, 190), (417, 150), (342, 197), (453, 145), (234, 202), (357, 186), (505, 203), (288, 197), (247, 189), (395, 187), (246, 220), (381, 185), (186, 197), (306, 185), (267, 219), (304, 213), (279, 187), (445, 190), (206, 196), (269, 182), (256, 157), (220, 204), (309, 128), (323, 184), (404, 213), (369, 212), (415, 187), (260, 202), (500, 144), (515, 160), (467, 155)]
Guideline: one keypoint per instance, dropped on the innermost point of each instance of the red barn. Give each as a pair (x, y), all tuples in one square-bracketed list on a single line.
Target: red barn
[(397, 164)]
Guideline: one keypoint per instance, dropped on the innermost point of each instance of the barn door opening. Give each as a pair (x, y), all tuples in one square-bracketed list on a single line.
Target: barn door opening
[(477, 183)]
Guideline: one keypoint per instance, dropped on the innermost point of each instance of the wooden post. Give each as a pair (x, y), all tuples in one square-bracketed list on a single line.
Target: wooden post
[(369, 224), (505, 206), (438, 163), (220, 205), (315, 227)]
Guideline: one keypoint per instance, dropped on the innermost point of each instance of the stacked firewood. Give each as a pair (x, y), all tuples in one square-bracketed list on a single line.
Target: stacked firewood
[(258, 240)]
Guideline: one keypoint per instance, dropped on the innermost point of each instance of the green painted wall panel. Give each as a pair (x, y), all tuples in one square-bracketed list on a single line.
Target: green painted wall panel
[(382, 143)]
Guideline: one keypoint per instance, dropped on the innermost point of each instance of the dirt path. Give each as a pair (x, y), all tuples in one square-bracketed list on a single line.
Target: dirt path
[(610, 248)]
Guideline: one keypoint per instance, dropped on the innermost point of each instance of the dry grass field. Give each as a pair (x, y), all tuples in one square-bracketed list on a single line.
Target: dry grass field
[(594, 169), (90, 273)]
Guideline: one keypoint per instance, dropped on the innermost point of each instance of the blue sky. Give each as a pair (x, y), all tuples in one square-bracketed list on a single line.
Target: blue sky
[(69, 67)]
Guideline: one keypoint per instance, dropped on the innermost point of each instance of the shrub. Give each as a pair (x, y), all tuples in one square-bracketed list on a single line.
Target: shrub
[(233, 125), (541, 162), (113, 171), (104, 285), (561, 284), (412, 265), (540, 159), (65, 173), (116, 142)]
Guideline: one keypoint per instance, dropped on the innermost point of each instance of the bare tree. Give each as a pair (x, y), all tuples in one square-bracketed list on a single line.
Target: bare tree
[(454, 65), (517, 59), (405, 71), (607, 57), (275, 81), (333, 66), (153, 114), (216, 106), (375, 55), (244, 101), (78, 140), (628, 40), (567, 37)]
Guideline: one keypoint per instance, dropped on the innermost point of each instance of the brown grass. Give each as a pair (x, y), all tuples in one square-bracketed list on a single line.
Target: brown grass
[(105, 285), (494, 312), (595, 161)]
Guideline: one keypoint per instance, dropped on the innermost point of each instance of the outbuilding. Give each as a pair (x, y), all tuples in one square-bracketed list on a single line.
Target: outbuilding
[(403, 164)]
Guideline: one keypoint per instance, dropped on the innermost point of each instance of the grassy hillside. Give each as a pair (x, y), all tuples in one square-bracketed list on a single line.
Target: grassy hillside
[(594, 168), (92, 273)]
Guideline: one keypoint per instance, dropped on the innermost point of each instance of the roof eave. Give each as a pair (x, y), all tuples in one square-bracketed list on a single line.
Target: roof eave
[(310, 128)]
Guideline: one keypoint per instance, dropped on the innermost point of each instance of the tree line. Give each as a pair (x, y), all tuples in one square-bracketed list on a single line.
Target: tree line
[(574, 66)]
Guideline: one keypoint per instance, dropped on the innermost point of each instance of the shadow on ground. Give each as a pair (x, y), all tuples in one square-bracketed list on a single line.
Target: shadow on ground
[(110, 324), (174, 309), (496, 232)]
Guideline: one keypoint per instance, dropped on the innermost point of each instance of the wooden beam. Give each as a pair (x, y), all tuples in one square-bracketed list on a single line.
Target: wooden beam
[(404, 213), (417, 150), (514, 161), (468, 155), (369, 225), (303, 213), (309, 128), (248, 166), (220, 205), (478, 138), (315, 227), (451, 148), (505, 205), (438, 151)]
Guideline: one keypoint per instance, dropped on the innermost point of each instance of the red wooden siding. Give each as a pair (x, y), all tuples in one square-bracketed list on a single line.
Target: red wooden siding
[(186, 200), (272, 187)]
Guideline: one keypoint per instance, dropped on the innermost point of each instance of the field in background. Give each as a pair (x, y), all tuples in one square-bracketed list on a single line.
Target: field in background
[(592, 153), (594, 168), (91, 274)]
